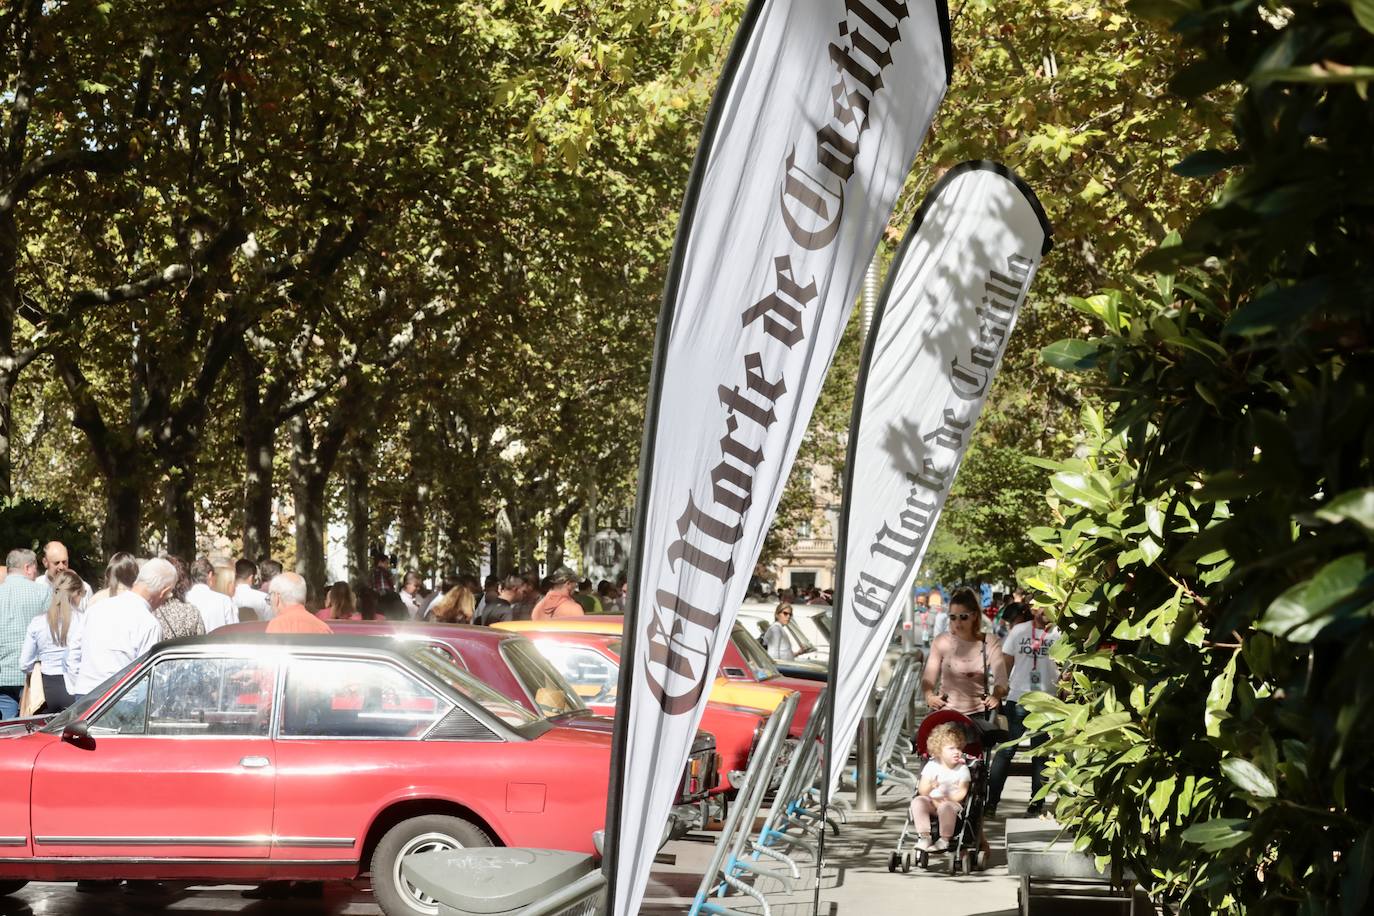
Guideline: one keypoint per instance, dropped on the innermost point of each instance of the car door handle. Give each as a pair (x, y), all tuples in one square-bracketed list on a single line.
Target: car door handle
[(255, 763)]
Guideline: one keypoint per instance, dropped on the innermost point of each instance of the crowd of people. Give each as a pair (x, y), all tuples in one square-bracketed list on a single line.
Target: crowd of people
[(60, 638)]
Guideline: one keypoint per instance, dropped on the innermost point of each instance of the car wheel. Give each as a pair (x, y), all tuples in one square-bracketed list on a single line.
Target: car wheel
[(9, 887), (397, 896)]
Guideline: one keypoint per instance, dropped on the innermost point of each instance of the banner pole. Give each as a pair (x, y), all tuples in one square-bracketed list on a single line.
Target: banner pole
[(662, 334)]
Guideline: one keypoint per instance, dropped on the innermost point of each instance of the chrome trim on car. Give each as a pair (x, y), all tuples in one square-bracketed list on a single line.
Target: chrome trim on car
[(153, 840), (170, 860), (14, 841), (259, 840), (315, 842)]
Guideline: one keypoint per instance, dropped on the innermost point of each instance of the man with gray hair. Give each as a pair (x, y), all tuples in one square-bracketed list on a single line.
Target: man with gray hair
[(120, 629), (21, 600), (287, 597)]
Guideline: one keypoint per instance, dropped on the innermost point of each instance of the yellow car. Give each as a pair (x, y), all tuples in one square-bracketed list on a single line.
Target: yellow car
[(586, 651), (730, 692)]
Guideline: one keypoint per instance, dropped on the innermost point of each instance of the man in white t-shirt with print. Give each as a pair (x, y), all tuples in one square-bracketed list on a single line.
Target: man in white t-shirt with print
[(1027, 646)]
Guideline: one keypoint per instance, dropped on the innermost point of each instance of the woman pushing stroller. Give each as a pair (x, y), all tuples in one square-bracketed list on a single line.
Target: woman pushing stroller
[(964, 674), (965, 671)]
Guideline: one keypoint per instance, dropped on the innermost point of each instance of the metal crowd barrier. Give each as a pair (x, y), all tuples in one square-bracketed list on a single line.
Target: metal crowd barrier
[(893, 710), (728, 862), (797, 803)]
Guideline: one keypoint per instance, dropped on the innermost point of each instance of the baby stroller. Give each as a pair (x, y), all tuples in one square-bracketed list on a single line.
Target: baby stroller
[(966, 852)]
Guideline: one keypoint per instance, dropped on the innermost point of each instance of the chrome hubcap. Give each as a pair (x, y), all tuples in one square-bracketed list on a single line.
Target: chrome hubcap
[(425, 842)]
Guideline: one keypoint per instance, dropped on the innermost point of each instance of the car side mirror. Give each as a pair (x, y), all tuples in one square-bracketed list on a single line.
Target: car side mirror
[(79, 734)]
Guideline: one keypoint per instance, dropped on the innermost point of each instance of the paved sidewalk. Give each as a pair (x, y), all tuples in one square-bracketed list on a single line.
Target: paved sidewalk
[(856, 881)]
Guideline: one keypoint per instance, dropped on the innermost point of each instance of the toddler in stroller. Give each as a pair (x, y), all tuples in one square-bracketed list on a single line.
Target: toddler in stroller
[(951, 794)]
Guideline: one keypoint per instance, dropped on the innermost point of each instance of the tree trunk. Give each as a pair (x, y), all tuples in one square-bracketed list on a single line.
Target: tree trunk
[(554, 554), (259, 451), (258, 435), (357, 493), (181, 512), (307, 487), (558, 531), (123, 514), (503, 545), (6, 431), (9, 307)]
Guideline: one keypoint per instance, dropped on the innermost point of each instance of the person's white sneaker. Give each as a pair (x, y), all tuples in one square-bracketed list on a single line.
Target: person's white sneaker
[(940, 845), (922, 842)]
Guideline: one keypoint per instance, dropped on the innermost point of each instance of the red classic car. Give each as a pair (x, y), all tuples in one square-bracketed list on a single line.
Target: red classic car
[(510, 663), (250, 757)]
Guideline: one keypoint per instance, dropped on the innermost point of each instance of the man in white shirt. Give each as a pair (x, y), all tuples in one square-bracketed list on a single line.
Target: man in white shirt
[(120, 629), (410, 590), (1027, 648), (940, 613), (245, 595), (216, 610)]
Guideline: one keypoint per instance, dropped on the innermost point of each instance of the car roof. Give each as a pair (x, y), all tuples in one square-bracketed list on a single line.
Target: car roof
[(385, 628), (593, 623), (326, 641)]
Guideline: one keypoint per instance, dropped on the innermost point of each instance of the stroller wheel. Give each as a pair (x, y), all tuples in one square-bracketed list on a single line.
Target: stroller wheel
[(980, 861), (954, 864), (967, 861), (892, 862), (923, 859), (906, 864)]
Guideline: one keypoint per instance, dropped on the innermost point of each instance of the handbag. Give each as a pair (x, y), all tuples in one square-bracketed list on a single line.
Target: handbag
[(32, 699)]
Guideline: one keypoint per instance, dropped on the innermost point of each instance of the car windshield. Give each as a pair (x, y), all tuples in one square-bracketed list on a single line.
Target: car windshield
[(799, 637), (545, 686), (823, 624), (77, 710), (754, 654), (500, 707)]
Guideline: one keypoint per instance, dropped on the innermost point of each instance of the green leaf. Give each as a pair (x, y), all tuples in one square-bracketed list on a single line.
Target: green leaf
[(1161, 796), (1219, 698), (1298, 614), (1071, 355), (1280, 308), (1364, 13), (1248, 777), (1356, 505), (1154, 520), (1080, 489), (1218, 833)]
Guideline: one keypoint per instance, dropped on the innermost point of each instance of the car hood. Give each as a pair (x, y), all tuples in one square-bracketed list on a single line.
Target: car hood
[(605, 725), (798, 667)]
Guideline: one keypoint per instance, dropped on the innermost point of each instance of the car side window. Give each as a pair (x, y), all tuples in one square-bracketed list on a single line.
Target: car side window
[(356, 698), (211, 697), (127, 716), (439, 652), (593, 676)]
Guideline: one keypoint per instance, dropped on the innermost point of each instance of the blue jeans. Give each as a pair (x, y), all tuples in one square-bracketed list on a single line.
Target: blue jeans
[(1001, 762), (9, 702)]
